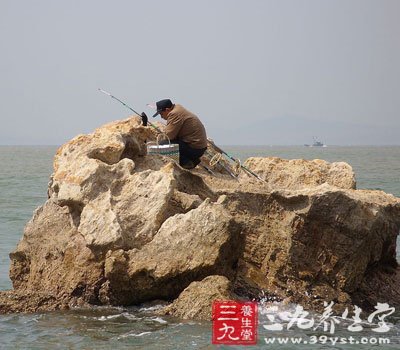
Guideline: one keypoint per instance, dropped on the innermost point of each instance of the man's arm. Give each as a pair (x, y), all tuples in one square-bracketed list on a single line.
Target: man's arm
[(174, 125)]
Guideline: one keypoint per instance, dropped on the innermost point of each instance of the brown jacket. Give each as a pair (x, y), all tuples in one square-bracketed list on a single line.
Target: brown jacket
[(185, 126)]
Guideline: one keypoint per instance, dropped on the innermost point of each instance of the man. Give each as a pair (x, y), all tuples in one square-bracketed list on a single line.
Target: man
[(186, 129)]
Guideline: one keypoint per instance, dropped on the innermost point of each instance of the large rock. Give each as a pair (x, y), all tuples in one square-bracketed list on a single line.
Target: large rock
[(121, 228), (315, 244)]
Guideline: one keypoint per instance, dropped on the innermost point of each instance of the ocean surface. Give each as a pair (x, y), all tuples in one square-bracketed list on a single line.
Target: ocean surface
[(24, 174)]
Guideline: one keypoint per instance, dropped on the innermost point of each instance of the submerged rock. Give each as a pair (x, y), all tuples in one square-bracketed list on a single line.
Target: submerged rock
[(121, 227), (195, 302)]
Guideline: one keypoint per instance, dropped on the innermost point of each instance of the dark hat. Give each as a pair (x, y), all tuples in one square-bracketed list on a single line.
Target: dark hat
[(162, 105)]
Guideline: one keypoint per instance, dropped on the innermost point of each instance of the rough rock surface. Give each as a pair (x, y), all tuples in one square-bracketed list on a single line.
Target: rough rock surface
[(121, 227), (315, 244), (188, 247), (296, 174), (17, 301)]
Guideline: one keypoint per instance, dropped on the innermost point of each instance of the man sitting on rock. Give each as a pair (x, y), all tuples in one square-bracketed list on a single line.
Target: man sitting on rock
[(185, 129)]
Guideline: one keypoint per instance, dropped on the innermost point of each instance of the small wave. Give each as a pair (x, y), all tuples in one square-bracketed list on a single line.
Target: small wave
[(150, 308), (123, 315), (133, 335), (159, 320), (105, 318)]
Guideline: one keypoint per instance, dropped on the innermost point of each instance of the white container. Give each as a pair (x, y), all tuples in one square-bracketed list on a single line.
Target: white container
[(169, 150)]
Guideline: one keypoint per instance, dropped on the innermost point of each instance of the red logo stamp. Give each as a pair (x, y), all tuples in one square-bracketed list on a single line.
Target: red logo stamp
[(234, 322)]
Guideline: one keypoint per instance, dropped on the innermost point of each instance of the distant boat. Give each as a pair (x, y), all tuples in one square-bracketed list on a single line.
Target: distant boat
[(316, 143)]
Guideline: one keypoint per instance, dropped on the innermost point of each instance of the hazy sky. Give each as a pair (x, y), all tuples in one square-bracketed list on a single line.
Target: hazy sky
[(256, 72)]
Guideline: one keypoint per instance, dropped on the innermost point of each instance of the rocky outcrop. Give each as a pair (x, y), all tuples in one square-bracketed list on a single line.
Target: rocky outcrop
[(121, 227), (315, 244), (295, 174)]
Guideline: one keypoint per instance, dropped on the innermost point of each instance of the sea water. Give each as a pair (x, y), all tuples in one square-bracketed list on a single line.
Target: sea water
[(24, 174)]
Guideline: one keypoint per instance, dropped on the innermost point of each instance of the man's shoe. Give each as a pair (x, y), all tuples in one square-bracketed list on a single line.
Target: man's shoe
[(196, 162), (189, 165)]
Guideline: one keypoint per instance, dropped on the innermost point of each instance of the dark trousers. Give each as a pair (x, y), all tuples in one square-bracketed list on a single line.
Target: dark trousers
[(188, 154)]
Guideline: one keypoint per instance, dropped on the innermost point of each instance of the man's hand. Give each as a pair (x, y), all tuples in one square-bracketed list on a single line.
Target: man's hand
[(144, 119)]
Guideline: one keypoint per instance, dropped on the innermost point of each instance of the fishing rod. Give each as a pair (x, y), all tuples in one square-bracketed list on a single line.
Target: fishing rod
[(112, 96), (218, 149), (115, 98)]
